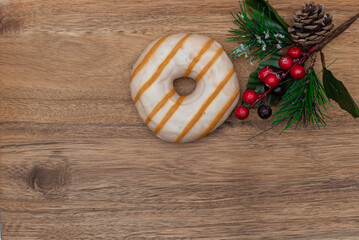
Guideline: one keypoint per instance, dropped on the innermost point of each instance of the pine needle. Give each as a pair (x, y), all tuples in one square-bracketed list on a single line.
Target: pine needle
[(259, 39), (303, 103)]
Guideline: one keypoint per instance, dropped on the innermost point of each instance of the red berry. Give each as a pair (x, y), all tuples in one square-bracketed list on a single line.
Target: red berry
[(285, 62), (264, 72), (294, 52), (242, 112), (297, 72), (271, 81), (249, 96)]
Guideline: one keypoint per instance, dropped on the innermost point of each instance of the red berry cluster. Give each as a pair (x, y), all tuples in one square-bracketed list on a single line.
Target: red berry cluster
[(291, 63)]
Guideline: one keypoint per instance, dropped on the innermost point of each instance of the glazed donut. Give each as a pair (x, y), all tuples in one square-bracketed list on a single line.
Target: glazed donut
[(176, 118)]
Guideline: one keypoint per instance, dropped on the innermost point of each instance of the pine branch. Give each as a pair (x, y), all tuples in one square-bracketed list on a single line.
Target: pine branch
[(304, 103), (259, 38)]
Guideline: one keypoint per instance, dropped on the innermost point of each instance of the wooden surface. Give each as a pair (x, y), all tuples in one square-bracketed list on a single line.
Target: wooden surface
[(77, 162)]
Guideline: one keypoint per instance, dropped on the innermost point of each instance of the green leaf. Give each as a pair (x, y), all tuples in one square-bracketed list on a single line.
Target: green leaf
[(271, 16), (336, 90), (258, 86)]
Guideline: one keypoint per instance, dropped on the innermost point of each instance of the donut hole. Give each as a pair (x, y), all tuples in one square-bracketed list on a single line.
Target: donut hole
[(184, 86)]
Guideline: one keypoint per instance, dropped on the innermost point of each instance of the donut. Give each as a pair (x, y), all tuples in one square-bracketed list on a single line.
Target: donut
[(176, 118)]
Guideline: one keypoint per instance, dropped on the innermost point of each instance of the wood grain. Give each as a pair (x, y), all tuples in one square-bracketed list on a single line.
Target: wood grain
[(77, 162)]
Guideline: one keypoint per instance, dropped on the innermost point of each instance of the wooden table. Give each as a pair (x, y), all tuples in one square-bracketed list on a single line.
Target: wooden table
[(77, 162)]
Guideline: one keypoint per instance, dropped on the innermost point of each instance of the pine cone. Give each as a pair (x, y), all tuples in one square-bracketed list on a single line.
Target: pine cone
[(310, 25)]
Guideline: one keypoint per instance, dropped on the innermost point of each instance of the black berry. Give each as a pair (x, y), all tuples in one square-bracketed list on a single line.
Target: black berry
[(264, 111), (278, 90)]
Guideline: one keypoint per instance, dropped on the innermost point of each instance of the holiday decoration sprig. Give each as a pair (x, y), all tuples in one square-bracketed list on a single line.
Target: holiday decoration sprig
[(289, 80)]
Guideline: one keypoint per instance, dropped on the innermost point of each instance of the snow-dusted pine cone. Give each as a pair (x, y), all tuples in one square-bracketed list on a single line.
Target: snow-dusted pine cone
[(310, 25)]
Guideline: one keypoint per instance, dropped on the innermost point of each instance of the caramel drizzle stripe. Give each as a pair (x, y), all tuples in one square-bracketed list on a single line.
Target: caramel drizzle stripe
[(169, 114), (148, 56), (159, 70), (160, 105), (170, 94), (198, 57), (220, 114), (204, 106), (175, 107), (209, 64)]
